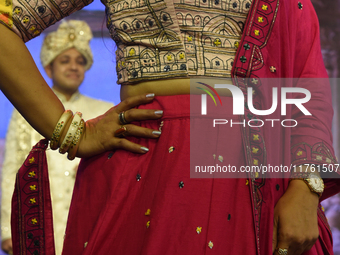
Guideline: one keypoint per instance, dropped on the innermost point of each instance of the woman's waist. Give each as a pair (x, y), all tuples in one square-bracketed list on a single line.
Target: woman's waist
[(171, 87), (190, 106)]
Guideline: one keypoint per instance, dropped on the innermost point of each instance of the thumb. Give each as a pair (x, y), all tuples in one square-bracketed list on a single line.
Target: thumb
[(275, 227)]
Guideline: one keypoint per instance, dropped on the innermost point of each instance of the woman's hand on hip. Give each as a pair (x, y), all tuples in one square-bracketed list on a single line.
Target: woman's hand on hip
[(107, 132)]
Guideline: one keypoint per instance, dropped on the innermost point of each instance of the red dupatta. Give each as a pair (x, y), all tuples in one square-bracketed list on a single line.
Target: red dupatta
[(32, 224)]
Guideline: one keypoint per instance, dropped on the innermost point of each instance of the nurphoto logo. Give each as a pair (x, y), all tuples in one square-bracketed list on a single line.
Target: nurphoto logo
[(239, 103)]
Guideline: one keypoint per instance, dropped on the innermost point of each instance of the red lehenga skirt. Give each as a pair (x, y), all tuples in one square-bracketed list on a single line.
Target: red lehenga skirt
[(126, 203)]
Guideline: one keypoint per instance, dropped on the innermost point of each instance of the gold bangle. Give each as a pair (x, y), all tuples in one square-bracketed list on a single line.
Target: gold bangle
[(75, 142), (59, 128), (70, 133)]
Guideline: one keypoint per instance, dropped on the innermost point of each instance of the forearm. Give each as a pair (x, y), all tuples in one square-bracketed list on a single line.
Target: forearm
[(23, 85)]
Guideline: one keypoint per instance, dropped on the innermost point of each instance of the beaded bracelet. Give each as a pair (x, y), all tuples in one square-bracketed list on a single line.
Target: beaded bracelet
[(75, 142), (59, 128), (70, 133)]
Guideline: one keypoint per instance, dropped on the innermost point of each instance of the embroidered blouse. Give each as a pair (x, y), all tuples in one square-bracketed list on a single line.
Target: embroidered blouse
[(155, 39)]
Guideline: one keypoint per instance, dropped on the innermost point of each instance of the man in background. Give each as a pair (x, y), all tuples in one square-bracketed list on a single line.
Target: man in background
[(66, 56)]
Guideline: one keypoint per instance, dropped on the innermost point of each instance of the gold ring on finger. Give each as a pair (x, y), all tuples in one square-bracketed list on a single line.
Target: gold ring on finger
[(120, 132), (281, 251)]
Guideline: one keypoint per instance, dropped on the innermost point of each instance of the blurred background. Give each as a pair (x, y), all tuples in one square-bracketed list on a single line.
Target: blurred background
[(100, 81)]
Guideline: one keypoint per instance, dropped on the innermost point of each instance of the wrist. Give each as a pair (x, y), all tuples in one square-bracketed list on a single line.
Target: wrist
[(63, 134), (312, 180), (68, 133), (298, 186)]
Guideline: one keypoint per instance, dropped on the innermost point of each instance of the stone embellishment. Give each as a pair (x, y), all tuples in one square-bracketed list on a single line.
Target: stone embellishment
[(31, 160), (181, 184), (243, 59), (247, 182), (198, 230), (299, 153), (319, 158), (72, 36), (210, 244), (34, 221), (132, 52), (33, 201), (246, 46), (148, 212), (300, 5), (161, 125), (138, 177), (264, 7), (260, 19), (273, 69), (257, 32), (25, 20), (31, 174), (256, 137), (217, 42), (171, 149), (33, 187), (17, 10), (85, 244), (220, 158), (254, 81), (148, 224)]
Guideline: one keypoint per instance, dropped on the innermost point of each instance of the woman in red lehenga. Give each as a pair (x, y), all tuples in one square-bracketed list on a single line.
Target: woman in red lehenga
[(146, 203)]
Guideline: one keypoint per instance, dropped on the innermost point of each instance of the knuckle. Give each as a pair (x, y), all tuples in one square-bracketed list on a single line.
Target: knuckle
[(129, 114), (128, 101), (119, 143), (312, 239)]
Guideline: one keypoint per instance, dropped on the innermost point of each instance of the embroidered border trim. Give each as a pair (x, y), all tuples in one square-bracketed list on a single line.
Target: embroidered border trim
[(32, 225)]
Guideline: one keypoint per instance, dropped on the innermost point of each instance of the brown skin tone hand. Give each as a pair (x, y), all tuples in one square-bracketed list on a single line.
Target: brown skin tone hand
[(6, 246), (295, 219)]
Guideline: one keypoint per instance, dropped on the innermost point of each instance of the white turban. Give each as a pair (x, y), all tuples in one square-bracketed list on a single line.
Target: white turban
[(70, 34)]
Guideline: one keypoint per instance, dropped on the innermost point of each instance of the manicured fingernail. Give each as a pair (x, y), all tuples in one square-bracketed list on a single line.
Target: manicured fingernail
[(156, 132), (150, 95), (144, 149), (159, 112)]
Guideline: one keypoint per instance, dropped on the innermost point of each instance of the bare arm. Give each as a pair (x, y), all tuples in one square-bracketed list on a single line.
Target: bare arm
[(23, 85)]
